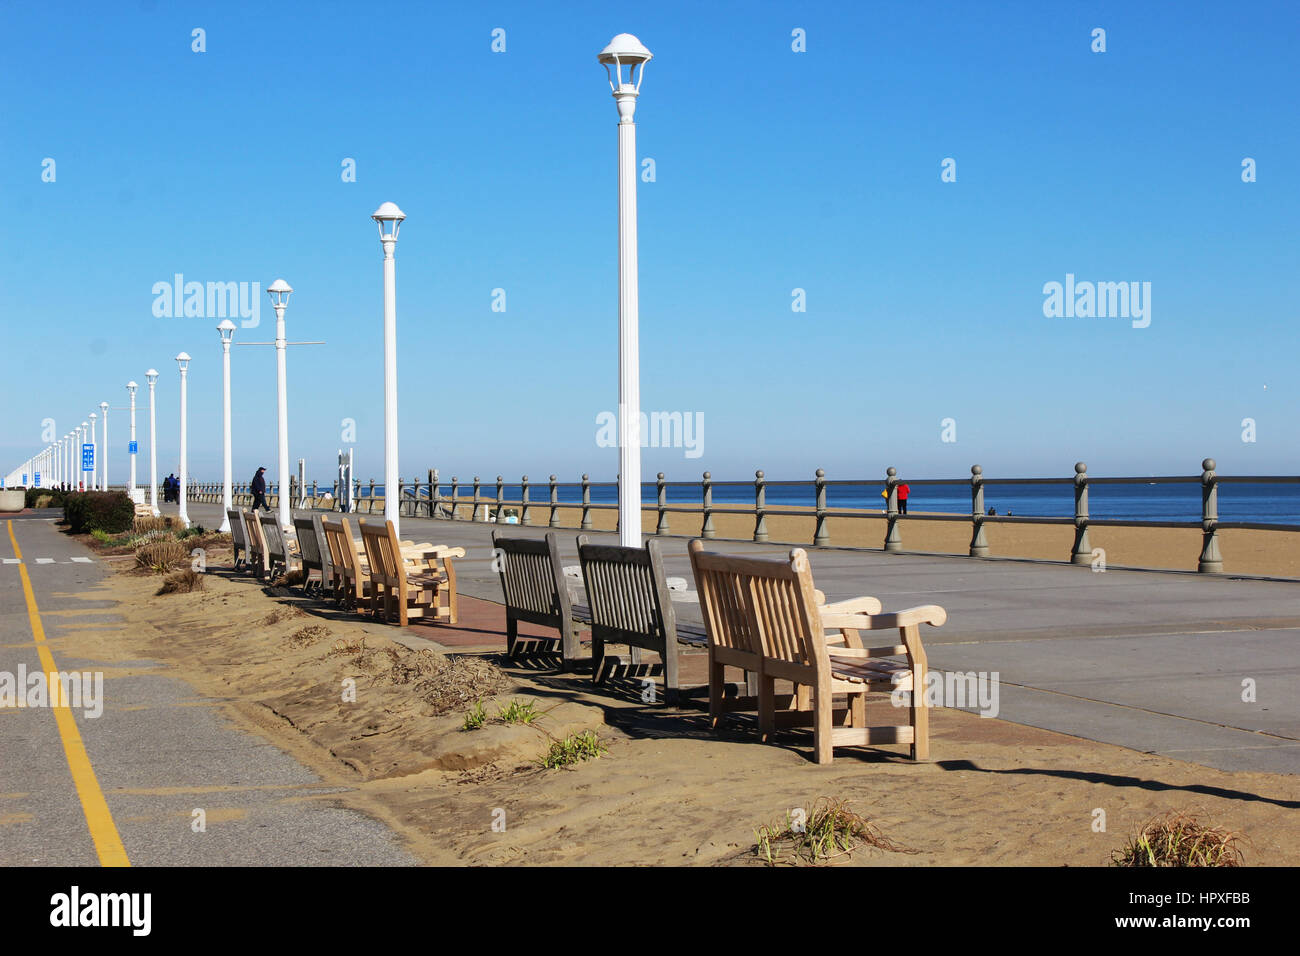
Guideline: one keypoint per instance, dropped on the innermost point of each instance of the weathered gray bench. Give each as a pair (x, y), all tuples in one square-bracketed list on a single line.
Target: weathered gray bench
[(278, 556), (629, 603), (238, 537), (532, 582), (313, 551)]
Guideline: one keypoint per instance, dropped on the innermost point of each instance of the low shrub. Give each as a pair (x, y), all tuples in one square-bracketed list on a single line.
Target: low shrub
[(162, 555), (108, 511), (43, 498), (145, 525)]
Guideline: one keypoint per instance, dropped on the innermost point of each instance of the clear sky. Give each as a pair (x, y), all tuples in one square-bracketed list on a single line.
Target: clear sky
[(775, 170)]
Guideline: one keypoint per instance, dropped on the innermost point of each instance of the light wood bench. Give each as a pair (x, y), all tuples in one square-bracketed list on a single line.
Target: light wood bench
[(764, 614), (257, 560), (412, 580)]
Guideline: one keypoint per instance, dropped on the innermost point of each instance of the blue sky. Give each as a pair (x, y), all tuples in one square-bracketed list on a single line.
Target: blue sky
[(775, 170)]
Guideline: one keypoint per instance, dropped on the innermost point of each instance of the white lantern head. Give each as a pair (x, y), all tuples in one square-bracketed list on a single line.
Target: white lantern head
[(279, 292), (93, 416), (131, 387), (104, 408), (389, 218), (183, 360), (623, 51), (227, 330), (151, 376)]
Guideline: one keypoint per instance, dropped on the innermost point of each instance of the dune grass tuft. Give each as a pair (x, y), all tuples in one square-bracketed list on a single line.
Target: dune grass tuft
[(1178, 838), (827, 832)]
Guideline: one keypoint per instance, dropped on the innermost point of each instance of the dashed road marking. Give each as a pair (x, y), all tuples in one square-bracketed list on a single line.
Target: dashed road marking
[(13, 560), (44, 560), (85, 560)]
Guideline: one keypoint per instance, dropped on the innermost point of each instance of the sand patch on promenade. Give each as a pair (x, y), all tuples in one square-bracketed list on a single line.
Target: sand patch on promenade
[(670, 790)]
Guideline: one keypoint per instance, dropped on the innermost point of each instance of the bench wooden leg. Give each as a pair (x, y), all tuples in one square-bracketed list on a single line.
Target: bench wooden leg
[(823, 724), (766, 707), (717, 685)]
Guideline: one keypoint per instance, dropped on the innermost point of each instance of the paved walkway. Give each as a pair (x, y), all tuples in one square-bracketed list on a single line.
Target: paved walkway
[(1150, 660), (122, 787)]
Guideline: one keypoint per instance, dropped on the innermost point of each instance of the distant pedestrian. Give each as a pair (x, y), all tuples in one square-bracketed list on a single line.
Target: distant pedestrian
[(258, 487), (903, 492)]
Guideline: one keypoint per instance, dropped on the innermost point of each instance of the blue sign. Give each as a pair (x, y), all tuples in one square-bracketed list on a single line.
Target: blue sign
[(24, 479), (87, 457), (38, 479), (132, 448)]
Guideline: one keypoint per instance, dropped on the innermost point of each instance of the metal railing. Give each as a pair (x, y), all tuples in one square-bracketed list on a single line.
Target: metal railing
[(541, 504)]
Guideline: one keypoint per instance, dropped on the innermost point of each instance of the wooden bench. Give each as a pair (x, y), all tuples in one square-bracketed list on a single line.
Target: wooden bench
[(412, 580), (238, 537), (532, 582), (764, 614), (279, 555), (629, 603), (314, 552), (257, 561)]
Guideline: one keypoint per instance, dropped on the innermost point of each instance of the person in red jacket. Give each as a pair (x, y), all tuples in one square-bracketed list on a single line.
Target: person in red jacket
[(903, 492)]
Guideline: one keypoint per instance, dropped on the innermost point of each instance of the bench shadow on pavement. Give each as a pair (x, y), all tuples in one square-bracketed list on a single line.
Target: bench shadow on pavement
[(1116, 780)]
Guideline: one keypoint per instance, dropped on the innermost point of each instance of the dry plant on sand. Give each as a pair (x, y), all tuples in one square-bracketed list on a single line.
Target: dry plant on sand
[(162, 555), (309, 635), (826, 832), (283, 613), (441, 682), (182, 582), (1178, 839)]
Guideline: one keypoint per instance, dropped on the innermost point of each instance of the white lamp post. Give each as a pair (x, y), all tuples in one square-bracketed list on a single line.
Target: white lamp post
[(183, 360), (279, 291), (227, 331), (389, 218), (626, 51), (130, 390), (151, 377), (94, 451), (82, 436), (103, 406)]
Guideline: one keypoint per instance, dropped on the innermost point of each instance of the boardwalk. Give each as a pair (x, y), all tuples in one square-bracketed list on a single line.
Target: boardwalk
[(1150, 660)]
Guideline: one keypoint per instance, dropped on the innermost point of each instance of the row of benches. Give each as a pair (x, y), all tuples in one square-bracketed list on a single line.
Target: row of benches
[(762, 616), (394, 580)]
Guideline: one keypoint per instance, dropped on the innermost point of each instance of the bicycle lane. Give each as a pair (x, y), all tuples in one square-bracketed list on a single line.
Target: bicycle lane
[(149, 772)]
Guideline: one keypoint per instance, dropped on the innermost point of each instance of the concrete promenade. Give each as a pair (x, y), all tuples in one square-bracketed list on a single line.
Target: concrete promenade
[(1150, 660)]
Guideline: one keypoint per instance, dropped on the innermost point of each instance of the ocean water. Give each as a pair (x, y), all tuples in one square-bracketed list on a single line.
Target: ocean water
[(1258, 502)]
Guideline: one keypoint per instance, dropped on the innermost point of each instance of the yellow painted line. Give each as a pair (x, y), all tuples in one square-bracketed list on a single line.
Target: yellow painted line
[(108, 844)]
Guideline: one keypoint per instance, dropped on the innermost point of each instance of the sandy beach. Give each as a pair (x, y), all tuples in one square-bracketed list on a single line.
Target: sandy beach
[(669, 790), (1246, 551)]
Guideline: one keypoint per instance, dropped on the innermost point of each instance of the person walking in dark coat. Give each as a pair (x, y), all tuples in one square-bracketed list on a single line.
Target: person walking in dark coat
[(258, 487)]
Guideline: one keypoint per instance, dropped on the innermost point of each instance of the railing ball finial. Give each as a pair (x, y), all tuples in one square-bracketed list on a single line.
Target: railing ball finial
[(1209, 464), (1080, 468), (976, 470)]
